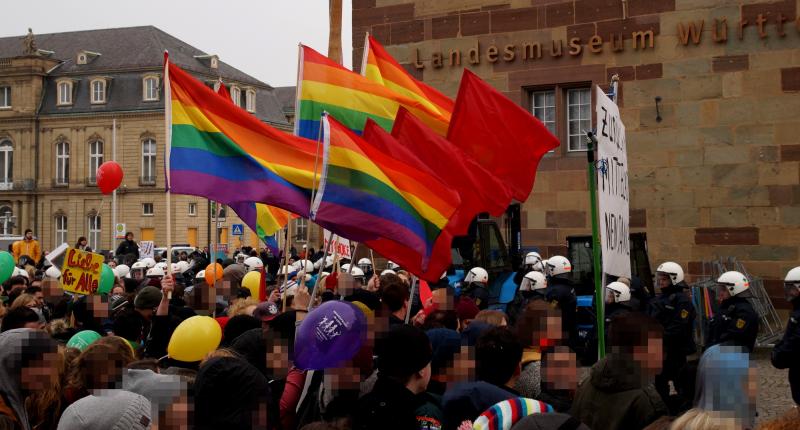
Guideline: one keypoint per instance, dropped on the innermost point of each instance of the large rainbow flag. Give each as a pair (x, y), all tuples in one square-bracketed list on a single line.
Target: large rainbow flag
[(362, 182), (324, 86), (380, 67)]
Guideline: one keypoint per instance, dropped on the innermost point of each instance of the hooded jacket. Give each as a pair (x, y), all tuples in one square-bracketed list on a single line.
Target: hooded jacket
[(228, 392), (466, 401), (725, 369), (18, 347), (616, 396)]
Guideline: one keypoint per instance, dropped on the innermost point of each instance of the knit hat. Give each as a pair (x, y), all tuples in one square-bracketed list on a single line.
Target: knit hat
[(108, 410), (402, 352), (160, 390), (149, 297), (505, 414), (466, 309), (445, 343)]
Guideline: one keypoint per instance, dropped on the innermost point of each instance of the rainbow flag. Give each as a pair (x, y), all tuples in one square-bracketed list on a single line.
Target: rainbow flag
[(324, 86), (263, 220), (379, 67), (361, 182), (221, 152)]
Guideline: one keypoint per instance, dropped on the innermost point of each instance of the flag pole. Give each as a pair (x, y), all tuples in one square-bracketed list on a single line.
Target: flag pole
[(167, 150)]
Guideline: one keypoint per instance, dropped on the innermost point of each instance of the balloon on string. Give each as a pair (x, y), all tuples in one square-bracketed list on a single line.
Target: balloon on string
[(213, 273), (194, 338), (82, 339), (109, 176), (329, 335), (107, 279), (6, 265), (252, 281)]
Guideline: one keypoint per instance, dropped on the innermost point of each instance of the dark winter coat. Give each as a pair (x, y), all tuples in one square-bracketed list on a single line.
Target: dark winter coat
[(786, 353), (127, 247), (616, 396), (561, 293), (466, 401), (735, 324), (390, 405), (674, 310)]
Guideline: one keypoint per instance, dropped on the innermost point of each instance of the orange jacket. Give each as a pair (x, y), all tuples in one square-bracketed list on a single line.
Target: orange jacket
[(24, 247)]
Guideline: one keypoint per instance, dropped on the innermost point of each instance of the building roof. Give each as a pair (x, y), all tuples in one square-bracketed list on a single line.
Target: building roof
[(125, 53), (286, 97)]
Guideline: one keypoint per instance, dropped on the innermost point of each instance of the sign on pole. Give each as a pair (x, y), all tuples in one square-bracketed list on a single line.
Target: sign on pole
[(613, 193), (340, 245), (80, 272), (119, 231), (237, 229), (146, 249)]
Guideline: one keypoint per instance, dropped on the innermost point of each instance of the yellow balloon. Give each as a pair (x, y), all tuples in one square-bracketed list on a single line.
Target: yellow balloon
[(252, 281), (194, 338)]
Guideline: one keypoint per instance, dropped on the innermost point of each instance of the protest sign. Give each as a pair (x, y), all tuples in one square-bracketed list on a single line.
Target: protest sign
[(613, 193), (339, 246), (80, 272), (146, 249)]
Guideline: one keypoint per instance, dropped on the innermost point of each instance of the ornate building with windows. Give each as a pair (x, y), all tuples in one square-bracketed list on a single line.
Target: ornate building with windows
[(61, 96), (708, 94)]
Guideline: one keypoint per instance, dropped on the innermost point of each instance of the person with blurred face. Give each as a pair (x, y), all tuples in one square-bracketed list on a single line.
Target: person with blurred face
[(559, 378)]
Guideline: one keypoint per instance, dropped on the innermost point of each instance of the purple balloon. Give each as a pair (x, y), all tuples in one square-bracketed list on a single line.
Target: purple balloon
[(329, 335)]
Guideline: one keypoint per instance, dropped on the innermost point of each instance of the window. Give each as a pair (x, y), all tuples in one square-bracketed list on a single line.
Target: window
[(61, 229), (7, 220), (98, 92), (236, 95), (544, 108), (6, 165), (148, 161), (95, 159), (5, 97), (192, 209), (301, 229), (64, 93), (94, 232), (250, 100), (579, 117), (150, 89), (62, 163), (147, 209)]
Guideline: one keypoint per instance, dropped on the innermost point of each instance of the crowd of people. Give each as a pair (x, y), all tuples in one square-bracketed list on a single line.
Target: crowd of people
[(437, 355)]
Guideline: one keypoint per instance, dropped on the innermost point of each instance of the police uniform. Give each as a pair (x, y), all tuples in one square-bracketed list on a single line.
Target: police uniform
[(561, 294), (478, 293), (735, 324), (786, 353), (674, 310)]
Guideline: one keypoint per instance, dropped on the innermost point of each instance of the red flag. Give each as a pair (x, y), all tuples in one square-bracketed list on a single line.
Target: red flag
[(262, 285), (480, 190), (500, 135), (425, 294)]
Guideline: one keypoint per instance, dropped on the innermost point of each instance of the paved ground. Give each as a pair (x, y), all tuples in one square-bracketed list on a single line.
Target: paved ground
[(774, 396)]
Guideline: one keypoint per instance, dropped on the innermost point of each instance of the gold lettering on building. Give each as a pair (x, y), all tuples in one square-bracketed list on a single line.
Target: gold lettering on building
[(720, 33), (695, 32)]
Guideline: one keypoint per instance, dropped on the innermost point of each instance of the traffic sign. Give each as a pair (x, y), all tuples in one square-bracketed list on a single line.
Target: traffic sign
[(119, 231), (237, 229)]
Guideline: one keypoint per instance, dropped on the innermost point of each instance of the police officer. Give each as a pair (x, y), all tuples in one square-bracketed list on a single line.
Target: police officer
[(737, 321), (618, 300), (561, 294), (787, 352), (674, 310), (532, 262), (476, 286)]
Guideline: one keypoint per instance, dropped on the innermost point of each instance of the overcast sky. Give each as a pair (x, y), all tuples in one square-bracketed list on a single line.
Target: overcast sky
[(259, 37)]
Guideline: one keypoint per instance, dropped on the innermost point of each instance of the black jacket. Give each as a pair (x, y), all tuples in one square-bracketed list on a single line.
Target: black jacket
[(735, 324), (390, 405), (786, 353), (674, 310), (561, 293), (127, 247)]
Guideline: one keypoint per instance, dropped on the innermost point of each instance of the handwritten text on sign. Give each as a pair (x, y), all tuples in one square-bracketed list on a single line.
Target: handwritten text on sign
[(612, 188), (340, 245), (80, 272)]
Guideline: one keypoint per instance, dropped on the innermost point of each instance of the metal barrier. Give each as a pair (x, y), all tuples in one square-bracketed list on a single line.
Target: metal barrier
[(704, 298)]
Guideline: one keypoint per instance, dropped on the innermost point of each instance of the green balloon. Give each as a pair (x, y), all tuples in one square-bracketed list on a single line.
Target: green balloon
[(106, 280), (6, 265), (82, 339)]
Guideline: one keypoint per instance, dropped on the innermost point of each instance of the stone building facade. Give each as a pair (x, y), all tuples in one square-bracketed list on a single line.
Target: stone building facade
[(708, 94), (59, 101)]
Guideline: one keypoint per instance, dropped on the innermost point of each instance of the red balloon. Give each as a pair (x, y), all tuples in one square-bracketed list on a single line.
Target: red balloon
[(109, 176)]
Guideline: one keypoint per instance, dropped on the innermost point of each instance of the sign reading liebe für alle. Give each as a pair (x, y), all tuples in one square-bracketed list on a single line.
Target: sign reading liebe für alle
[(80, 273)]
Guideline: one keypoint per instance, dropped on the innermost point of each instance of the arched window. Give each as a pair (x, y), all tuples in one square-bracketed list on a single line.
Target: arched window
[(250, 100), (94, 232), (64, 93), (62, 162), (60, 227), (148, 161), (6, 164), (236, 95), (150, 89), (7, 220), (95, 159), (98, 88)]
